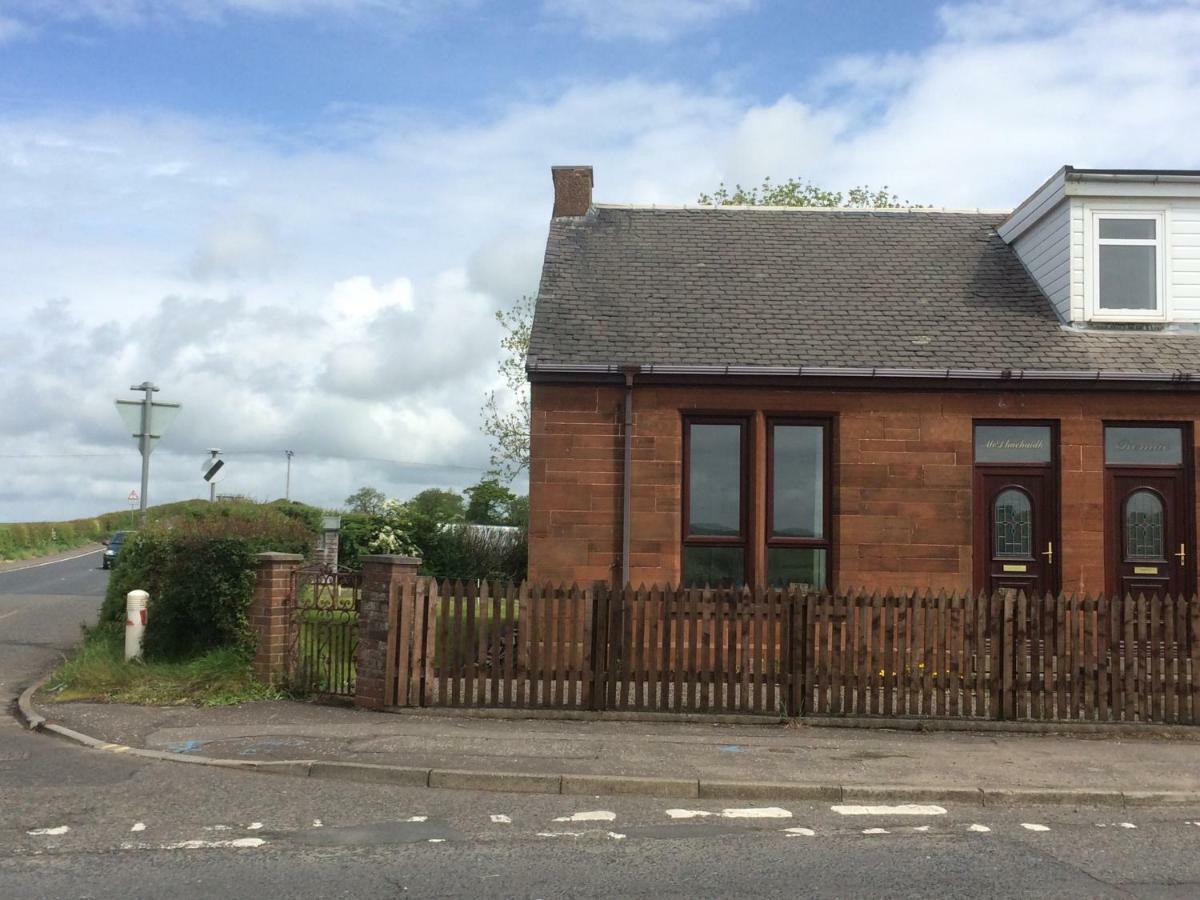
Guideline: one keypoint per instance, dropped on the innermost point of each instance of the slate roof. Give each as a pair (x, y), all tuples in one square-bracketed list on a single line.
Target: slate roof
[(912, 289)]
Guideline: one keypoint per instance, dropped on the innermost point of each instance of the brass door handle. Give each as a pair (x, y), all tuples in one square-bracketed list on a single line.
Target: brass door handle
[(1182, 554), (1049, 552)]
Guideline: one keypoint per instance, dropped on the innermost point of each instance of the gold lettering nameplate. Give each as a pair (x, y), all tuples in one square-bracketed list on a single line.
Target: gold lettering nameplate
[(1010, 568), (1145, 570)]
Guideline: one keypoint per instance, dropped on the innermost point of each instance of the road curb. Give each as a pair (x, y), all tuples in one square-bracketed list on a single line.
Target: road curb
[(33, 720), (601, 785)]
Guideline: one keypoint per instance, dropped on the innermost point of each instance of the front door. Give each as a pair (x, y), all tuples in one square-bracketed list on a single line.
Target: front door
[(1019, 552), (1148, 508), (1149, 532), (1015, 504)]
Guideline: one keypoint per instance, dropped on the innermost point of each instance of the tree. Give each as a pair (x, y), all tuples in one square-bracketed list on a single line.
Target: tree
[(795, 192), (507, 426), (489, 503), (366, 500), (438, 505)]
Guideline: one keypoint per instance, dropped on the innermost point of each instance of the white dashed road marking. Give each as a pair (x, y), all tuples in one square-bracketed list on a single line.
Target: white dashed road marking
[(763, 812), (57, 829), (236, 843), (1033, 826), (876, 831), (799, 831), (904, 809), (687, 813), (138, 826), (598, 815), (254, 826), (982, 829), (417, 819), (501, 819)]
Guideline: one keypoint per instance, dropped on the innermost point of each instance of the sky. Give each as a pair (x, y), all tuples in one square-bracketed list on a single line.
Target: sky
[(298, 217)]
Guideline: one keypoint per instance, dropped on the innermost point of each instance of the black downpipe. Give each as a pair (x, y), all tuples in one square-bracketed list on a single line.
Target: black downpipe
[(627, 477)]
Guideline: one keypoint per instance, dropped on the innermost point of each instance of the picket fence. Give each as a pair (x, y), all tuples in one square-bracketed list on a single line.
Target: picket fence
[(791, 653)]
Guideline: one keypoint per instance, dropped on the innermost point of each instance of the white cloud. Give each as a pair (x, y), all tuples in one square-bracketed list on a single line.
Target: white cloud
[(647, 20), (344, 304)]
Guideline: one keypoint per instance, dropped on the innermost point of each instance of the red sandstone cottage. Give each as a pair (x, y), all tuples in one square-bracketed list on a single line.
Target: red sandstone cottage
[(966, 400)]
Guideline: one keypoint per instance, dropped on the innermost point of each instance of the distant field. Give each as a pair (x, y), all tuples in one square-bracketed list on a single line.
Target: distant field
[(20, 540)]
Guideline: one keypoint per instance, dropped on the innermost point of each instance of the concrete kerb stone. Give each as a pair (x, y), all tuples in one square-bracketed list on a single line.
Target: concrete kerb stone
[(505, 782), (1056, 796), (767, 790), (402, 776), (1156, 798), (882, 793), (33, 720), (599, 785)]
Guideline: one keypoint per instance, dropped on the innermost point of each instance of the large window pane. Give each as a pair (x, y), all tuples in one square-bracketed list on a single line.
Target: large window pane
[(1012, 444), (714, 566), (1131, 445), (715, 480), (798, 481), (1127, 277), (788, 566), (1127, 229)]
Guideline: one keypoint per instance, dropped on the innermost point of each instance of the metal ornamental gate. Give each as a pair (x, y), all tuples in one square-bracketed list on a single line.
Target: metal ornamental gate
[(324, 630)]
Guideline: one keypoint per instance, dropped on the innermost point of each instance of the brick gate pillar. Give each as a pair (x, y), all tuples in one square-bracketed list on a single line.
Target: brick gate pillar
[(379, 575), (272, 614)]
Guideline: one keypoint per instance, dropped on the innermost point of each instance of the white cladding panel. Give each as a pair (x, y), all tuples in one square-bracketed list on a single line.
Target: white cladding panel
[(1045, 249), (1183, 259)]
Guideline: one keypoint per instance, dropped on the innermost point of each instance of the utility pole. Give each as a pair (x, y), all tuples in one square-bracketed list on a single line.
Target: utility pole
[(151, 420), (287, 485), (144, 441)]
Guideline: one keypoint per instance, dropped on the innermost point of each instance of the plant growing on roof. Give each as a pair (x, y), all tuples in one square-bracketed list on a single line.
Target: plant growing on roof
[(795, 192)]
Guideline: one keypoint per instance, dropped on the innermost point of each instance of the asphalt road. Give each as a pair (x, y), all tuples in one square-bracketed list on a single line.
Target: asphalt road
[(79, 823)]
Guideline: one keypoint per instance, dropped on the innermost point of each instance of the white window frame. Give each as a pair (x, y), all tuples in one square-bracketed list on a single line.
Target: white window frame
[(1160, 313)]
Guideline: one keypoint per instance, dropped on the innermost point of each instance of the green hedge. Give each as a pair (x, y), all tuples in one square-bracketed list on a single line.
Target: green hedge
[(23, 539), (198, 568)]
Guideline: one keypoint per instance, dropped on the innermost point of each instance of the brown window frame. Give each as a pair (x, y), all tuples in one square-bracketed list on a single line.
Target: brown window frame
[(826, 541), (742, 540)]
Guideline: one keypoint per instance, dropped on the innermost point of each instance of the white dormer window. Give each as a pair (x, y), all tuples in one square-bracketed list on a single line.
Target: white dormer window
[(1127, 266)]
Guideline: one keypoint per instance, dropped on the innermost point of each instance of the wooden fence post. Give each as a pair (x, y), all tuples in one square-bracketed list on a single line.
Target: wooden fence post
[(598, 648), (1008, 657)]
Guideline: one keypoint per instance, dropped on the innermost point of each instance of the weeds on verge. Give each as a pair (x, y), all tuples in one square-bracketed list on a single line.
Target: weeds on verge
[(98, 671)]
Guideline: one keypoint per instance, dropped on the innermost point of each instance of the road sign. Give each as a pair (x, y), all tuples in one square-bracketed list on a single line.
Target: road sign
[(161, 415), (133, 496), (213, 470)]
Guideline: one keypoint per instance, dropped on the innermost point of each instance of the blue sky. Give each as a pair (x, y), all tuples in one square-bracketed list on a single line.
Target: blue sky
[(291, 70), (299, 216)]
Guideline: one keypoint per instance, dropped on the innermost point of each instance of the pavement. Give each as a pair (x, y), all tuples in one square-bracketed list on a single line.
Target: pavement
[(680, 759)]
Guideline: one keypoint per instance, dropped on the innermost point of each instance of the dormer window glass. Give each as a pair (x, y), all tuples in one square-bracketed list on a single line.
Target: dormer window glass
[(1127, 266)]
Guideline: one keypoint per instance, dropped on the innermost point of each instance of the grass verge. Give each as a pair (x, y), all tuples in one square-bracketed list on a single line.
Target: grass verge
[(98, 671)]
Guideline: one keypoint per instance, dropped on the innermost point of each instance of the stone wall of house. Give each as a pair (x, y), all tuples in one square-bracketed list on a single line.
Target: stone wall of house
[(902, 476)]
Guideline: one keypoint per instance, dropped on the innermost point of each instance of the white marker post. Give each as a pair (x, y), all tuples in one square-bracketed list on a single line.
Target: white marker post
[(135, 623)]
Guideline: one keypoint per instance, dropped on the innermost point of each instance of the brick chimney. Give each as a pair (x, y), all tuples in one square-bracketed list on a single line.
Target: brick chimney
[(572, 190)]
